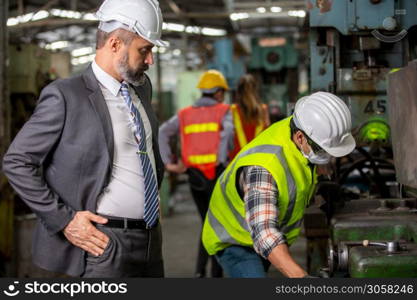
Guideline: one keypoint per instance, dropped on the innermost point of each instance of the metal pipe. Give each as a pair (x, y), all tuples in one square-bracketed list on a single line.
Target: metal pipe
[(391, 246)]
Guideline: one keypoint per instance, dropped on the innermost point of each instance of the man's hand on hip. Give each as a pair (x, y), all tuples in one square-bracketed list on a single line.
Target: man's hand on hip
[(83, 234)]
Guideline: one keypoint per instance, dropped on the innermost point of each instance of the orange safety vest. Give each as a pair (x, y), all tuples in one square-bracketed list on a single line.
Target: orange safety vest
[(244, 132), (200, 136)]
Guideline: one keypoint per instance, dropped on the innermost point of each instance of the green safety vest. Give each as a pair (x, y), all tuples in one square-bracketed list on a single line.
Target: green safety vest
[(275, 151)]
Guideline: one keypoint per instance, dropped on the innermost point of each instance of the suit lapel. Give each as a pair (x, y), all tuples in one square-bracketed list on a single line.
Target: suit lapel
[(100, 107)]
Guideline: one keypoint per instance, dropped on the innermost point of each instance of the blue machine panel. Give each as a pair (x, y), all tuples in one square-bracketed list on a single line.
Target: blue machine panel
[(352, 16)]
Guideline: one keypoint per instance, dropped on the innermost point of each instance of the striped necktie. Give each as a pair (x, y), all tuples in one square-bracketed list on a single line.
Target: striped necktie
[(151, 210)]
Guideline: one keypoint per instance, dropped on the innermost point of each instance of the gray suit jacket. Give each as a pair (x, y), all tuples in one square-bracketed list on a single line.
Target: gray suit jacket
[(61, 161)]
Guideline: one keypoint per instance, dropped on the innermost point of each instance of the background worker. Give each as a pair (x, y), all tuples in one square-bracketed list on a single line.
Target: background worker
[(87, 162), (250, 116), (206, 133), (258, 203)]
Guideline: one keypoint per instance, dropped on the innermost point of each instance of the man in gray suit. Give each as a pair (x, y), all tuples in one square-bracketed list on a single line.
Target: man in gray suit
[(87, 162)]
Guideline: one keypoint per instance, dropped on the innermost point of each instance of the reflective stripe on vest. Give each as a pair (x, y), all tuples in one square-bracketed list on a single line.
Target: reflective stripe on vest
[(225, 223), (202, 159), (200, 136), (268, 149), (240, 132), (203, 127)]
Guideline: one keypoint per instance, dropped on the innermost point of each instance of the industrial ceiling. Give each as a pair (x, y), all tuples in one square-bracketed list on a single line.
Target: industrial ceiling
[(30, 17)]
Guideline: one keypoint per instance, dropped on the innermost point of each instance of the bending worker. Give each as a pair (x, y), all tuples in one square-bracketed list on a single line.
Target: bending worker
[(258, 203), (206, 131)]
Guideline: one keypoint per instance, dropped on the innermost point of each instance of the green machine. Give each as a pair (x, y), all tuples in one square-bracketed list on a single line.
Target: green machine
[(374, 238), (367, 225)]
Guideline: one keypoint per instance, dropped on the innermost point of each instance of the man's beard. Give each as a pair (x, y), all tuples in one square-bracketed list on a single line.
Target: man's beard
[(135, 76)]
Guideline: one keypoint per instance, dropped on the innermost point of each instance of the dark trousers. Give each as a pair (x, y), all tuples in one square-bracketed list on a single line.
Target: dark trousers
[(201, 190), (129, 253)]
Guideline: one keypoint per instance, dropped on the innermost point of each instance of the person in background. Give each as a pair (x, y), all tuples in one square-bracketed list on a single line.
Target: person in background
[(206, 134), (258, 204), (250, 116), (275, 113), (87, 162)]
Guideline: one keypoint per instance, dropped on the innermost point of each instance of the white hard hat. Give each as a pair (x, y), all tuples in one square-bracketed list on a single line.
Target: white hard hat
[(326, 120), (143, 17)]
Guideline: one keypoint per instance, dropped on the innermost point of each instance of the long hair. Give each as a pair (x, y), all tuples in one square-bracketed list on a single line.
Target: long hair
[(248, 100)]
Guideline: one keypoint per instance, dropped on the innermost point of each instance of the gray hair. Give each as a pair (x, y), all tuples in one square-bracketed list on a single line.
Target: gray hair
[(124, 35)]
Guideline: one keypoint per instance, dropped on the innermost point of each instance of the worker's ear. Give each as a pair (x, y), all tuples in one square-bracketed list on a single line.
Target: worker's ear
[(219, 95), (298, 138), (114, 43)]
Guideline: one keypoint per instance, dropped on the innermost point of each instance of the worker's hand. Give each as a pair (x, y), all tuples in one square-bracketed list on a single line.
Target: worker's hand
[(324, 170), (83, 234), (281, 258), (178, 168)]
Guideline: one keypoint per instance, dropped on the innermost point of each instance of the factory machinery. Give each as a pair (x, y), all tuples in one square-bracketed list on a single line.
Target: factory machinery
[(273, 61), (367, 224)]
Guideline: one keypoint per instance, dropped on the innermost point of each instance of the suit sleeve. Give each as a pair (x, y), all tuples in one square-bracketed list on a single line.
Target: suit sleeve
[(24, 159)]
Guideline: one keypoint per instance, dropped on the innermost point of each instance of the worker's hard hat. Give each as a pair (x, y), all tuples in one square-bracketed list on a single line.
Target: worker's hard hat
[(143, 17), (326, 120), (212, 80)]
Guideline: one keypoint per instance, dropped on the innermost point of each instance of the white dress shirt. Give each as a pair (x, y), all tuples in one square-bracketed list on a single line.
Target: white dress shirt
[(125, 194)]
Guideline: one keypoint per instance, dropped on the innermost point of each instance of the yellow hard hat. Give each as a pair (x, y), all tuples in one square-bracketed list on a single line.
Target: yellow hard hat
[(212, 79)]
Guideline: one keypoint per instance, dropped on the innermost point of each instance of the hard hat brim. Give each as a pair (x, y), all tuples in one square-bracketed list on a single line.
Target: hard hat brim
[(160, 43), (343, 149)]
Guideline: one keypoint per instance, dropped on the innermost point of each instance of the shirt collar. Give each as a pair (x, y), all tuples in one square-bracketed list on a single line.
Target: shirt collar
[(205, 101), (106, 79)]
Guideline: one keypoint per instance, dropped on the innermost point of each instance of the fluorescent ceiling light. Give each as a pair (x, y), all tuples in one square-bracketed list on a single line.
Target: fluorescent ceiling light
[(81, 51), (261, 10), (83, 59), (42, 14), (276, 9), (56, 12), (70, 14), (12, 21), (297, 13), (90, 17), (25, 18), (213, 31), (173, 27), (192, 29), (57, 45), (73, 14), (239, 16)]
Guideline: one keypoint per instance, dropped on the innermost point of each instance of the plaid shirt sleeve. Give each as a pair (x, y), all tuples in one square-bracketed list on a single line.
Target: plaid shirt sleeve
[(260, 193)]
